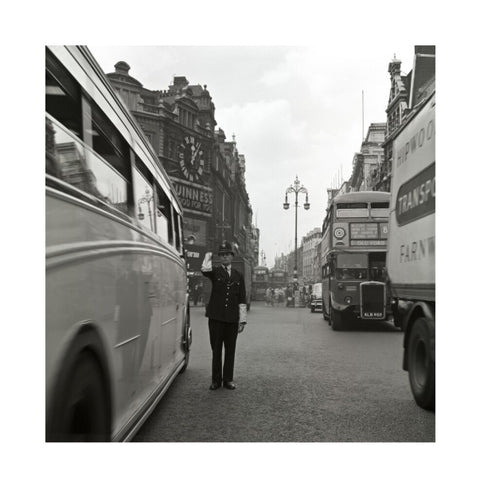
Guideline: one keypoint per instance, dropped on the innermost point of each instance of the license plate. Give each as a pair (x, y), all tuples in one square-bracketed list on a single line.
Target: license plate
[(373, 315)]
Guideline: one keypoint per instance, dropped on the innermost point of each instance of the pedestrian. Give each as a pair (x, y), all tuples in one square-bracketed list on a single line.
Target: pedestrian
[(267, 296), (289, 294), (226, 312)]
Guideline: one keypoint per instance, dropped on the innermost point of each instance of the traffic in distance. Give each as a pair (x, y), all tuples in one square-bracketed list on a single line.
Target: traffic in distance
[(117, 304)]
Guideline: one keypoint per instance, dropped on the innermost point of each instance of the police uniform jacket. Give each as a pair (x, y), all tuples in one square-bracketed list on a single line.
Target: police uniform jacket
[(228, 292)]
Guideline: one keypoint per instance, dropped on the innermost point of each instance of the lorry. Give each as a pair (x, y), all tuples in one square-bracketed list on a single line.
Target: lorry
[(411, 246), (242, 265)]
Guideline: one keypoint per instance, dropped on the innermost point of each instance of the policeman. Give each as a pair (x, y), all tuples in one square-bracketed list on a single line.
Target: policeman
[(226, 313)]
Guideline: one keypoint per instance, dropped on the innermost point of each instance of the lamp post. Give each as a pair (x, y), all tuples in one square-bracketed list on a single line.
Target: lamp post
[(296, 188)]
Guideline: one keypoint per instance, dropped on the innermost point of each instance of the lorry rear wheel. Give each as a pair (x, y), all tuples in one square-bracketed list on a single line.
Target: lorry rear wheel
[(421, 366)]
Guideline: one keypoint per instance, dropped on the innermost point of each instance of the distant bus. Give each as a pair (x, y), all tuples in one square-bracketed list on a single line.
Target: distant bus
[(260, 282), (117, 316), (278, 278), (353, 258)]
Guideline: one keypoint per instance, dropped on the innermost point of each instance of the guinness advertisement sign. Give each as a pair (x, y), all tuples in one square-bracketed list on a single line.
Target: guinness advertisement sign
[(194, 197)]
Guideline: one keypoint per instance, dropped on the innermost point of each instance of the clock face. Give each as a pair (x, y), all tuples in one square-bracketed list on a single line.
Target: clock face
[(191, 158)]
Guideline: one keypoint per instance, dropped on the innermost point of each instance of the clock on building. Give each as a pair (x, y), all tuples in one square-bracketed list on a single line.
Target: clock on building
[(191, 158)]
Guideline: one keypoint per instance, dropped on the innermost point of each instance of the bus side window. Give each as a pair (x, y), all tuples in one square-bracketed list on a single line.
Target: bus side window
[(68, 158), (178, 231), (164, 216), (63, 101), (106, 140), (110, 157), (144, 203)]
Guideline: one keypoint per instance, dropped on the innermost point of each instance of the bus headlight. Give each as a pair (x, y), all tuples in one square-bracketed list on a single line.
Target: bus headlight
[(340, 285), (348, 299)]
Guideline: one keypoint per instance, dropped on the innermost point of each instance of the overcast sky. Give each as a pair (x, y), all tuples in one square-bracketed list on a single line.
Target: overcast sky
[(293, 110)]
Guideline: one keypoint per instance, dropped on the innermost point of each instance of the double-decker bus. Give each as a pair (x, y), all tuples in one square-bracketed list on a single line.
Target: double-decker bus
[(353, 257), (260, 282), (117, 317), (278, 278)]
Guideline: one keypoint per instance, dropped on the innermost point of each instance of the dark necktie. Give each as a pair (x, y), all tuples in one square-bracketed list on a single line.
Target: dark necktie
[(226, 270)]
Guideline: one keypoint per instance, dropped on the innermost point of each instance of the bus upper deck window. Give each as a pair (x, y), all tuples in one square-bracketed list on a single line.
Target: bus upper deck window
[(379, 209), (351, 210)]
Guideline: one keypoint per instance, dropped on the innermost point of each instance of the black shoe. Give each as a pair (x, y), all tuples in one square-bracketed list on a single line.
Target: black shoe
[(229, 385), (214, 386)]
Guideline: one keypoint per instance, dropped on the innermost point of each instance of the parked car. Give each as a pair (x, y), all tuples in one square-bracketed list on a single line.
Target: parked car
[(316, 298)]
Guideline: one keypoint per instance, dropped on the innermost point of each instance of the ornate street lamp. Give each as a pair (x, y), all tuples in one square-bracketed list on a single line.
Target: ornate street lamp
[(296, 188)]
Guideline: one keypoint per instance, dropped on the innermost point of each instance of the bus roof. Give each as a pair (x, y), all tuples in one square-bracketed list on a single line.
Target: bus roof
[(362, 196)]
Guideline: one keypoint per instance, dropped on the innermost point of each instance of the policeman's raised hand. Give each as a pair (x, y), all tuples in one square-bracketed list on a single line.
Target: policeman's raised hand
[(207, 262), (241, 326)]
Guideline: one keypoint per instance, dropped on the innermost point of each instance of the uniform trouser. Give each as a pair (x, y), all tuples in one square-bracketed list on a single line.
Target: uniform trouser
[(222, 334)]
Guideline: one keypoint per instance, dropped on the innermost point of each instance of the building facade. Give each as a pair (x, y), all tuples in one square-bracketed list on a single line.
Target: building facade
[(367, 163), (207, 171), (396, 112), (281, 262), (405, 92), (310, 243)]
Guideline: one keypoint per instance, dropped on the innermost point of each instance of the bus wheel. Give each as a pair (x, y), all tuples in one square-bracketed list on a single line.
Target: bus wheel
[(335, 319), (82, 413), (421, 367)]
